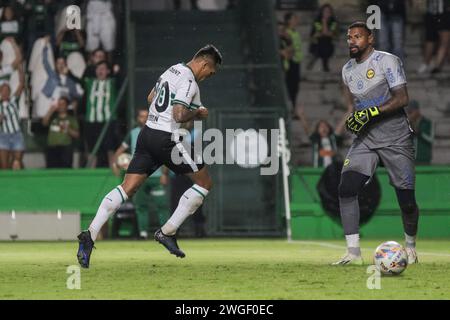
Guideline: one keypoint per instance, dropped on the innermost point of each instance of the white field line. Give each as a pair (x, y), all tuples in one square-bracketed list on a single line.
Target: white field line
[(336, 246)]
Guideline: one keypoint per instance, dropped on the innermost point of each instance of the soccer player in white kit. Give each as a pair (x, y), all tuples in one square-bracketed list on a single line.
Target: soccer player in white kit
[(375, 84), (174, 100)]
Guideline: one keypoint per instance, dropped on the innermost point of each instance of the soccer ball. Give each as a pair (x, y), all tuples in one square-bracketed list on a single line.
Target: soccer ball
[(123, 160), (390, 258)]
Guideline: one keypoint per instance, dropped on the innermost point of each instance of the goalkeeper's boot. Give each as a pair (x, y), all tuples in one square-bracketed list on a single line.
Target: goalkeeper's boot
[(170, 242), (412, 255), (85, 246), (349, 259)]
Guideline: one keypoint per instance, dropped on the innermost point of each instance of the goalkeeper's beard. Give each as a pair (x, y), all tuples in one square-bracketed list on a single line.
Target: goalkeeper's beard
[(357, 54)]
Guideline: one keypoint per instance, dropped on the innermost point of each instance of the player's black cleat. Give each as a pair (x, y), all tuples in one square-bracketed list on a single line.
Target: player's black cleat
[(85, 246), (170, 242)]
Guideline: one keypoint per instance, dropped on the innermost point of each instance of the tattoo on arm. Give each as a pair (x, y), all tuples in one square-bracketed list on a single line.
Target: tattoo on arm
[(182, 114)]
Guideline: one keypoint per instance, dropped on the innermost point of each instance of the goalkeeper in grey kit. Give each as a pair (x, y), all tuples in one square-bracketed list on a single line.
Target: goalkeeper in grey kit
[(375, 84)]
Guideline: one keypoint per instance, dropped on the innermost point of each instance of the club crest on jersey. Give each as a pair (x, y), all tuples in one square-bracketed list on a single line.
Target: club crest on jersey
[(360, 84), (370, 73)]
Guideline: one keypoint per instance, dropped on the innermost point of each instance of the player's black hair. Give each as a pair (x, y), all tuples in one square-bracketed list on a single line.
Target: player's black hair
[(210, 51), (360, 24)]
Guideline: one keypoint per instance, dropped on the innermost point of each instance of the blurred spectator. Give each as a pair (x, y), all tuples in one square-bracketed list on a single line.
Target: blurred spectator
[(101, 26), (59, 82), (39, 16), (100, 96), (285, 46), (323, 32), (68, 41), (12, 143), (437, 31), (423, 133), (392, 33), (293, 72), (63, 129), (7, 69), (95, 57), (9, 25), (325, 141), (152, 195)]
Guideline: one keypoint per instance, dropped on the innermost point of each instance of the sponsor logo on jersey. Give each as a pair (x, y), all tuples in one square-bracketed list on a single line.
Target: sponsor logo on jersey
[(346, 162), (348, 65), (175, 71), (390, 76), (400, 73), (370, 73)]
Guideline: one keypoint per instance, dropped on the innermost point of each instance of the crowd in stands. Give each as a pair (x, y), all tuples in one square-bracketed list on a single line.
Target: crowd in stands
[(325, 30), (61, 77)]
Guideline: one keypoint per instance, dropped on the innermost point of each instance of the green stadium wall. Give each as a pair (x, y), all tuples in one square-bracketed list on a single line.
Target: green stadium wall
[(82, 190), (79, 190), (310, 221)]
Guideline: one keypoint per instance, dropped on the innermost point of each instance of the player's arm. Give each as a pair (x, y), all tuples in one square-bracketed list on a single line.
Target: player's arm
[(150, 96), (182, 114), (348, 98), (399, 99)]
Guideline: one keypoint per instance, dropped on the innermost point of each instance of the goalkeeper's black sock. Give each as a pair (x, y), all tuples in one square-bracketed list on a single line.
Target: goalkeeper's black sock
[(410, 214)]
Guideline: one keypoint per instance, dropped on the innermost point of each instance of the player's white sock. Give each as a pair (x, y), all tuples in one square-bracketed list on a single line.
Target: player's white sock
[(353, 244), (110, 204), (190, 201), (410, 241)]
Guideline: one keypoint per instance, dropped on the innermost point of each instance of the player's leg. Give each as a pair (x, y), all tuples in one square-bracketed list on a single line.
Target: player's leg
[(114, 199), (109, 205), (359, 166), (399, 163), (410, 217), (141, 166), (191, 199)]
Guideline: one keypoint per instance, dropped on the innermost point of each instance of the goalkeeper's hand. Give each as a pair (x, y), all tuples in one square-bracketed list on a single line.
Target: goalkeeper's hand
[(360, 119)]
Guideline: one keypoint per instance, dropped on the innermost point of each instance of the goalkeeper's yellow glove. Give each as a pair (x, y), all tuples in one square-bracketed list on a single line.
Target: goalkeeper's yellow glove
[(360, 119)]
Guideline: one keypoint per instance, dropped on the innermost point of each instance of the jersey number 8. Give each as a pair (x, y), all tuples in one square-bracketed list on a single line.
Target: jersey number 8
[(162, 96)]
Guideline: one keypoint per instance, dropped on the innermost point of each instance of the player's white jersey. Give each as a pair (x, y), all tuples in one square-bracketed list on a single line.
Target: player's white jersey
[(177, 85)]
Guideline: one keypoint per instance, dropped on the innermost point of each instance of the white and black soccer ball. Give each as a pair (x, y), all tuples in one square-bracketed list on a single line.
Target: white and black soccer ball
[(390, 258), (123, 160)]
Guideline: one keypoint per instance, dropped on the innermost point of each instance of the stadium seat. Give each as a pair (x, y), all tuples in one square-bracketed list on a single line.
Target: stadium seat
[(125, 215)]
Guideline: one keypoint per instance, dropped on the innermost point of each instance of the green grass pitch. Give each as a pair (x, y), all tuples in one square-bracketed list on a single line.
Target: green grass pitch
[(216, 269)]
